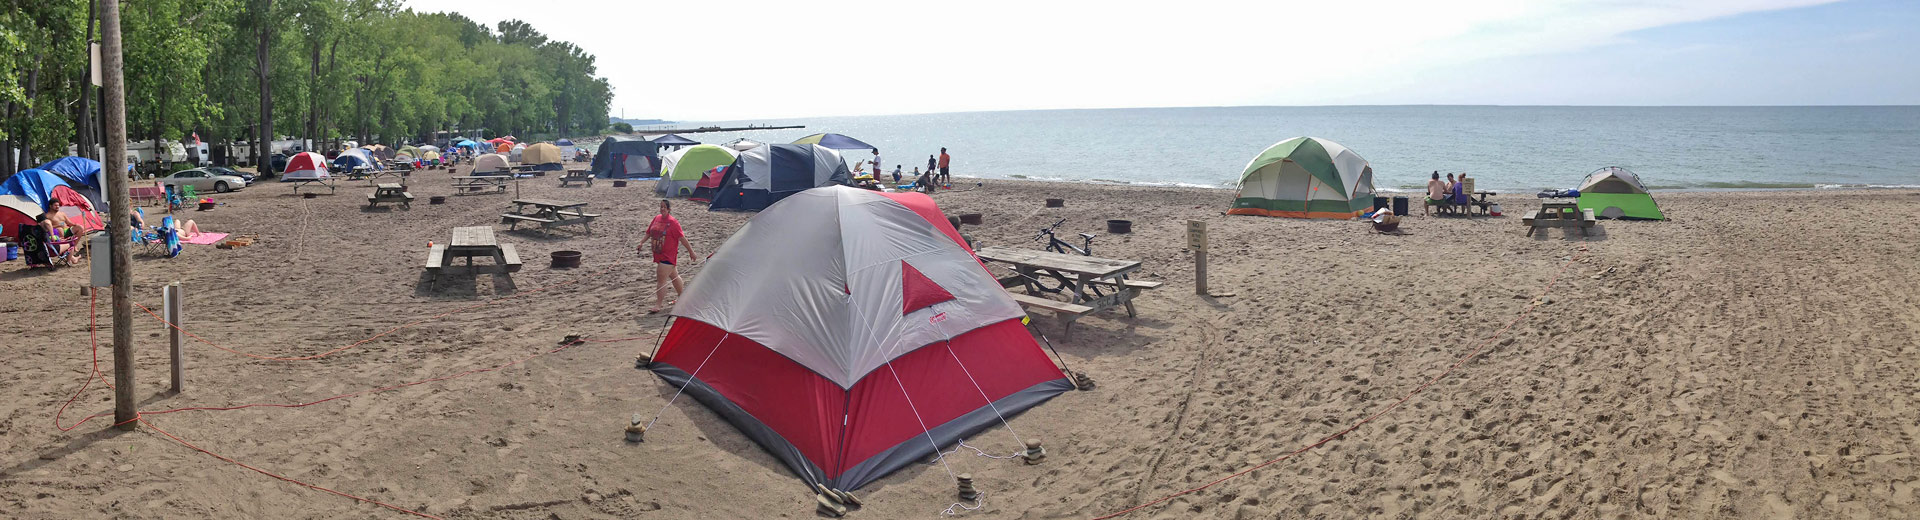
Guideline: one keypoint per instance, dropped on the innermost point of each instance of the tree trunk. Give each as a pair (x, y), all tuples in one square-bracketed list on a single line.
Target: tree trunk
[(313, 93), (263, 144), (26, 123)]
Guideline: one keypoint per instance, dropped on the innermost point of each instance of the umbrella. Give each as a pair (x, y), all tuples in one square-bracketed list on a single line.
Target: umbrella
[(500, 140), (429, 148), (674, 140), (835, 141)]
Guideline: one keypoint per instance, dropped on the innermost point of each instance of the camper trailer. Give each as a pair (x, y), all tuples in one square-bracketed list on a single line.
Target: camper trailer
[(240, 153)]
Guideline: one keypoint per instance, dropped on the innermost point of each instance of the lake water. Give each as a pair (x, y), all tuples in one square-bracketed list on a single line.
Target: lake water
[(1505, 148)]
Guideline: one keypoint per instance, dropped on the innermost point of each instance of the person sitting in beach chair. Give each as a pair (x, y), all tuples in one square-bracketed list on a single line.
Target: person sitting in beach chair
[(1437, 191), (1460, 199)]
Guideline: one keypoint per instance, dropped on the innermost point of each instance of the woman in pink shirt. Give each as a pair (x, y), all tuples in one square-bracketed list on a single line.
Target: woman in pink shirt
[(665, 240)]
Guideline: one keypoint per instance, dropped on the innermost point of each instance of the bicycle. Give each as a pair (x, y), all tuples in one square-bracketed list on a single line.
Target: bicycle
[(1056, 245)]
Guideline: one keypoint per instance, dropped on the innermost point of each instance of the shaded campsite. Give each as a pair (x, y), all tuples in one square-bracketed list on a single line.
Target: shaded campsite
[(1187, 392)]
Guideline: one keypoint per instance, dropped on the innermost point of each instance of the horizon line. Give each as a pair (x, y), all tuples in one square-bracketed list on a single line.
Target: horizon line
[(1401, 105)]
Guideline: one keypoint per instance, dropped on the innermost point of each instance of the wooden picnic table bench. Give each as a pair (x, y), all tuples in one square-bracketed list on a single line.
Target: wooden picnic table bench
[(470, 242), (1092, 284), (323, 181), (573, 176), (1558, 214), (549, 213), (390, 192), (472, 184)]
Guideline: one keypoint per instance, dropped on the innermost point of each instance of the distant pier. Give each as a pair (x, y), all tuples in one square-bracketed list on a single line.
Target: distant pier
[(705, 129)]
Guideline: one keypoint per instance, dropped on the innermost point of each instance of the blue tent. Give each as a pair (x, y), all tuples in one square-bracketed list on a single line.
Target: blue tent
[(563, 142), (349, 161), (33, 184), (83, 175), (75, 168), (674, 140)]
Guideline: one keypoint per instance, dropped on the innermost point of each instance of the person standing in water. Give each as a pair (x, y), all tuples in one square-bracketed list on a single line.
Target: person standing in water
[(665, 239)]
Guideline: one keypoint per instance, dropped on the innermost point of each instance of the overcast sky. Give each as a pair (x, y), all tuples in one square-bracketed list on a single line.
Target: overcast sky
[(747, 59)]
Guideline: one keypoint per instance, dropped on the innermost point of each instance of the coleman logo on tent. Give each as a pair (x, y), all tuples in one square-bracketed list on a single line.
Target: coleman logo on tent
[(937, 318)]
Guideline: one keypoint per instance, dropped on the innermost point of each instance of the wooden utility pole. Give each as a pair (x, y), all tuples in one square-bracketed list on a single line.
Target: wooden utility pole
[(119, 235)]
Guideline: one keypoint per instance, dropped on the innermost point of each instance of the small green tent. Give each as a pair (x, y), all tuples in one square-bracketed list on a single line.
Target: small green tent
[(680, 170), (1305, 177), (1615, 192)]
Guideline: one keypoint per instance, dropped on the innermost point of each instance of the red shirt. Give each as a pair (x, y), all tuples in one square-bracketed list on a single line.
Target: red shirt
[(943, 159), (667, 229)]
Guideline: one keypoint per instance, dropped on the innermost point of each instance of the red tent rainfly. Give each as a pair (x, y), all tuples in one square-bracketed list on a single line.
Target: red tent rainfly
[(849, 332)]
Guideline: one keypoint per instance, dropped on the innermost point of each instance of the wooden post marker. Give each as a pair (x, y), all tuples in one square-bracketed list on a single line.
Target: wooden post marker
[(171, 311), (1197, 241)]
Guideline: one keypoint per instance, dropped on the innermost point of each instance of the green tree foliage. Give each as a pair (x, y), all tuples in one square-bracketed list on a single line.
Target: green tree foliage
[(371, 70)]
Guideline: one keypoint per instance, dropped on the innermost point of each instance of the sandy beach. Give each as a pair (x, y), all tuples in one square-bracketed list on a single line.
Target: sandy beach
[(1753, 357)]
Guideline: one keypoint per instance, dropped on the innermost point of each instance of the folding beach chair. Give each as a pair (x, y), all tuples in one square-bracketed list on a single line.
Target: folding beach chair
[(169, 237)]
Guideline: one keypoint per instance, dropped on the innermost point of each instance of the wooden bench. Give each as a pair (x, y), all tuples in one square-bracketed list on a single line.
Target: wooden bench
[(1066, 312), (1070, 311), (471, 184), (514, 219), (1534, 221), (404, 198), (509, 258), (436, 257)]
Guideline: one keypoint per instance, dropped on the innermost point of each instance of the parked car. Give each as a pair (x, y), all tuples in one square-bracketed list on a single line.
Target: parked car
[(222, 170), (203, 180)]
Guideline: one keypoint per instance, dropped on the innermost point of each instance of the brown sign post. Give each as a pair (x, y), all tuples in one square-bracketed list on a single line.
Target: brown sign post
[(1197, 241)]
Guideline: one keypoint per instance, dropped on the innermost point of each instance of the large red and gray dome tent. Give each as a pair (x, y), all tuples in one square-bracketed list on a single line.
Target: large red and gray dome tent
[(871, 332)]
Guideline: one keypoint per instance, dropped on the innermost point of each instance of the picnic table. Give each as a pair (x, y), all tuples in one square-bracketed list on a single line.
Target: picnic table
[(359, 173), (470, 184), (573, 176), (1477, 199), (1092, 284), (323, 181), (549, 213), (390, 192), (470, 242), (1559, 213), (377, 174), (527, 169)]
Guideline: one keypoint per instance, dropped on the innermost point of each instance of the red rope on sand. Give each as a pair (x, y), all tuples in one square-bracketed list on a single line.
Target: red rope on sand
[(93, 337), (230, 460), (1396, 404)]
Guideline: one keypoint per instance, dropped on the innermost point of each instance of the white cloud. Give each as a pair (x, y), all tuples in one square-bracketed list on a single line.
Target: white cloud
[(787, 59)]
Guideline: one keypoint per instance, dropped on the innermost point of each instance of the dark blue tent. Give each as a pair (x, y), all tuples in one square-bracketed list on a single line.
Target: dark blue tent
[(762, 176), (626, 158), (674, 140)]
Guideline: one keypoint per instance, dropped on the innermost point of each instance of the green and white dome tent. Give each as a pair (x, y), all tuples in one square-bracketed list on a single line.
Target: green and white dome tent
[(1615, 192), (1305, 177)]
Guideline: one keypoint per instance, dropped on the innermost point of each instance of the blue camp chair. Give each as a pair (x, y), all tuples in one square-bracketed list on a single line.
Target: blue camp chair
[(147, 237), (169, 236)]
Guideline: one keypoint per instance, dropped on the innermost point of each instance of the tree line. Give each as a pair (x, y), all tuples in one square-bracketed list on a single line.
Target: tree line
[(231, 70)]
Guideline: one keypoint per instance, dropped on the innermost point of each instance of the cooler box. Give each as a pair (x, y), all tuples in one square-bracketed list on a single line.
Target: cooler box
[(1400, 205)]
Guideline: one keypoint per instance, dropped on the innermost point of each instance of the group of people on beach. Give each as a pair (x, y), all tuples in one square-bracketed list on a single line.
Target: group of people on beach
[(1454, 190), (939, 171)]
